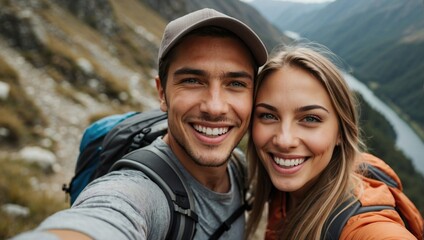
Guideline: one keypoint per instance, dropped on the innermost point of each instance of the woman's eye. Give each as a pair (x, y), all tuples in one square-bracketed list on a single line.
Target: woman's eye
[(267, 116), (311, 118)]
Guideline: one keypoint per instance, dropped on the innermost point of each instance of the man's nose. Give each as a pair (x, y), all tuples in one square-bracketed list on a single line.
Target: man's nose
[(215, 101)]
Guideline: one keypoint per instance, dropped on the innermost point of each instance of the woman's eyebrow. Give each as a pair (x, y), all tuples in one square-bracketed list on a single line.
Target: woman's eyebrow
[(300, 109), (311, 107), (267, 106)]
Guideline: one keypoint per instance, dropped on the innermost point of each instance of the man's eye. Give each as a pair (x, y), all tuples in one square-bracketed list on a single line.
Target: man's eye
[(190, 81), (237, 84)]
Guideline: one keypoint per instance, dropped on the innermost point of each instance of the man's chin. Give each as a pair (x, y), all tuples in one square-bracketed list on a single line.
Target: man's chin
[(211, 160)]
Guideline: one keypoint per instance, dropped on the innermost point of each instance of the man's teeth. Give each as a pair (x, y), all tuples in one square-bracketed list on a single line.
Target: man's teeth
[(288, 162), (211, 131)]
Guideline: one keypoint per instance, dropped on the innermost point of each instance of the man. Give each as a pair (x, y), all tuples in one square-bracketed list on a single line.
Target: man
[(207, 65)]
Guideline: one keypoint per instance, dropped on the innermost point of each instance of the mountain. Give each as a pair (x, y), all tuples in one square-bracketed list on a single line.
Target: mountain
[(283, 14), (269, 34), (382, 41)]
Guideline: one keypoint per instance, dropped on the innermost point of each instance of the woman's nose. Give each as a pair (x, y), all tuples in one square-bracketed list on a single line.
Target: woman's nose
[(286, 137)]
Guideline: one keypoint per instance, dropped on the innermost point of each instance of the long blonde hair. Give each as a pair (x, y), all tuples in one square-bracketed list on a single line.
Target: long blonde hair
[(337, 181)]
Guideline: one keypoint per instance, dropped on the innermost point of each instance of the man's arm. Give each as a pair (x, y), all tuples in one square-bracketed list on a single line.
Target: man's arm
[(122, 205), (70, 235)]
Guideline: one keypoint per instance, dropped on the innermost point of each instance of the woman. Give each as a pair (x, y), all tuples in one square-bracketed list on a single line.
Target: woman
[(305, 150)]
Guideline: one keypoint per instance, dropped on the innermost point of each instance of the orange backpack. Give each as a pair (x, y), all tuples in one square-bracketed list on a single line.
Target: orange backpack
[(377, 169)]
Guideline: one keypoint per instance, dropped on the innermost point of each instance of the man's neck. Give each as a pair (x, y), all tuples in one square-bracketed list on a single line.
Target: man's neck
[(214, 178), (216, 182)]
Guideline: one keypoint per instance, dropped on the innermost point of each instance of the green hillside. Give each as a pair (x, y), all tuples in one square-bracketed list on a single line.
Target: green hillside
[(379, 137)]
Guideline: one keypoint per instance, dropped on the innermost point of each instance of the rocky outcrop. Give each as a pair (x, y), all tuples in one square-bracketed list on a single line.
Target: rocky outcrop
[(98, 14)]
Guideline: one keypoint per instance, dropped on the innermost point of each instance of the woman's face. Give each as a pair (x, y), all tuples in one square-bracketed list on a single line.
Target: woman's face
[(295, 128)]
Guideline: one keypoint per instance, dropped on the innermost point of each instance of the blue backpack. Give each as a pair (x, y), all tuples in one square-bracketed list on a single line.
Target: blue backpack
[(122, 141), (109, 139)]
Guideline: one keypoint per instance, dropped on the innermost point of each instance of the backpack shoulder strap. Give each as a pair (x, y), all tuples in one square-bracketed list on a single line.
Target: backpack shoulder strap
[(374, 172), (339, 217), (160, 169)]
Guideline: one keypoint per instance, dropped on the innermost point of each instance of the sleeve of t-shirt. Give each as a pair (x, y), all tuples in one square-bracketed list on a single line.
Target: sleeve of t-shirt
[(121, 205)]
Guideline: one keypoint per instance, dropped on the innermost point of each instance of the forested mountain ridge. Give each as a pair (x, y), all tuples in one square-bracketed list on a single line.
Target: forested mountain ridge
[(381, 40)]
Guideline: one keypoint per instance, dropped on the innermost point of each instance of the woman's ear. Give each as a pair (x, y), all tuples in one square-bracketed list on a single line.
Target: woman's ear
[(162, 96), (339, 141)]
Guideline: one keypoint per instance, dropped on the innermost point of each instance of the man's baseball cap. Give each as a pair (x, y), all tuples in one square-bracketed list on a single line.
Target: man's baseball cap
[(180, 27)]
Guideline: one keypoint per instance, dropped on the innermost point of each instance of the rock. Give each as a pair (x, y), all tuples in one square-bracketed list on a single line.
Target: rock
[(85, 65), (4, 90), (4, 132), (42, 157), (15, 210)]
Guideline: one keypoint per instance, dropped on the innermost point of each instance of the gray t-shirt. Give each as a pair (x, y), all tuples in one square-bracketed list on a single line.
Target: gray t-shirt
[(126, 204)]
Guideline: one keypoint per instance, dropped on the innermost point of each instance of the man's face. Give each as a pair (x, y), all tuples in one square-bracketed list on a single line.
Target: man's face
[(208, 99)]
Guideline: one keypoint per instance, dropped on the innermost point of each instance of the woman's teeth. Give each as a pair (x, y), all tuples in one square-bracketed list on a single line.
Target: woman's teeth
[(288, 162)]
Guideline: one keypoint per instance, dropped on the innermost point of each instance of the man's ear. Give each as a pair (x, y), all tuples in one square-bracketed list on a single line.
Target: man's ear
[(161, 92)]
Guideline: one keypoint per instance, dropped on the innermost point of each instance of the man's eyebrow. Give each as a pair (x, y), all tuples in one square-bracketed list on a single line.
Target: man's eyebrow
[(239, 74), (310, 107), (199, 72), (190, 71)]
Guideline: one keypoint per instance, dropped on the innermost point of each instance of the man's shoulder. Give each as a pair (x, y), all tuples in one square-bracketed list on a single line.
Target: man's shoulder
[(130, 184)]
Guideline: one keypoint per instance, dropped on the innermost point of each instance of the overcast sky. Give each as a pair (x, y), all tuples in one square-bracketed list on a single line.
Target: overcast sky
[(310, 1)]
